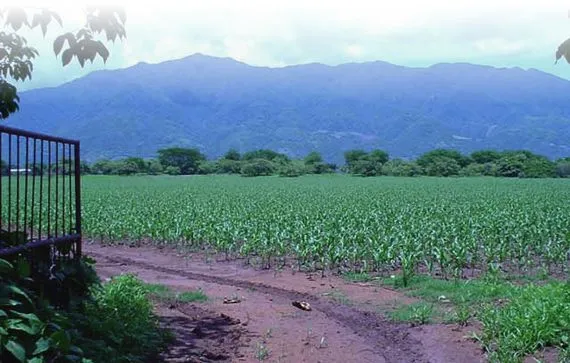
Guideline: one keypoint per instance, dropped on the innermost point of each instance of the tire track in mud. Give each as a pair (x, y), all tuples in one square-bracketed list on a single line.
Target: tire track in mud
[(392, 341)]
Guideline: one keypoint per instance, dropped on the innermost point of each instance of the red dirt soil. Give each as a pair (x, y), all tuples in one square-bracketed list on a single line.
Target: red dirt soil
[(345, 324)]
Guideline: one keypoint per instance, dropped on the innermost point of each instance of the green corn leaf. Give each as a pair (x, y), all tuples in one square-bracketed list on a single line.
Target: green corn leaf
[(42, 345), (16, 349)]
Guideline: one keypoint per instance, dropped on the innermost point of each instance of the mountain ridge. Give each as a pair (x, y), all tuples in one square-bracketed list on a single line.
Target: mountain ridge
[(218, 103)]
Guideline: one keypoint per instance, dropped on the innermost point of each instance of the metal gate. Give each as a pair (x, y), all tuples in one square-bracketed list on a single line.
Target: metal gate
[(40, 194)]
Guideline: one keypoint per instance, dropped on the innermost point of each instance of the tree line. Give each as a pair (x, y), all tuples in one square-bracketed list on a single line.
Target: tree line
[(189, 161), (447, 163), (264, 162)]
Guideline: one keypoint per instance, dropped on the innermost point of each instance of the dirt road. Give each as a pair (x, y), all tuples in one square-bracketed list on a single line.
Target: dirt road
[(344, 325)]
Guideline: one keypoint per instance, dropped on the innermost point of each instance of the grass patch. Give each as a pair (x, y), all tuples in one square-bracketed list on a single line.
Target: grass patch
[(457, 292), (191, 296), (517, 320), (418, 313), (536, 317), (120, 324), (165, 294)]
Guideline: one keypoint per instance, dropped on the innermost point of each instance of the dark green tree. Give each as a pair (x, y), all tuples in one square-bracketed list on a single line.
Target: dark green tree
[(442, 166), (432, 157), (138, 164), (352, 156), (124, 167), (563, 168), (359, 162), (187, 160), (485, 156), (265, 154), (172, 170), (232, 154), (207, 167), (379, 156), (365, 167), (313, 158), (293, 169), (154, 167), (399, 167), (258, 167), (314, 164), (525, 164), (103, 166), (228, 166)]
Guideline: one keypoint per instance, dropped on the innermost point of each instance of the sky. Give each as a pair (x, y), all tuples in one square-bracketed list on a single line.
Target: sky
[(419, 33)]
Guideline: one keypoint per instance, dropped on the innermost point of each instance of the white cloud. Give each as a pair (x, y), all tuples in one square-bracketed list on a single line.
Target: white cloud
[(500, 46), (354, 51), (273, 33)]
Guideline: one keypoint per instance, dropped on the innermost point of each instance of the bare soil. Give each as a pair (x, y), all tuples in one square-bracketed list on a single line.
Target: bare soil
[(345, 324)]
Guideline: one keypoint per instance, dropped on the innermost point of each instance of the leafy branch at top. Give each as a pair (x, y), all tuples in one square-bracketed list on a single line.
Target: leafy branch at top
[(16, 56)]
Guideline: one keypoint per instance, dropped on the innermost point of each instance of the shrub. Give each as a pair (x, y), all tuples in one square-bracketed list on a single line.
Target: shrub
[(473, 170), (258, 167), (227, 166), (292, 170), (122, 317), (206, 167), (563, 169), (113, 323), (30, 329), (172, 170)]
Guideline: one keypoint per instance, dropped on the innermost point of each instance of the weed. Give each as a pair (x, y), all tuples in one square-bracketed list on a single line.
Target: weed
[(417, 314), (469, 292), (165, 294), (462, 315), (191, 296), (261, 352), (536, 317)]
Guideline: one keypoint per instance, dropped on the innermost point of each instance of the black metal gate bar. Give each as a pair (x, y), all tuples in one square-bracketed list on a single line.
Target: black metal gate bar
[(50, 215)]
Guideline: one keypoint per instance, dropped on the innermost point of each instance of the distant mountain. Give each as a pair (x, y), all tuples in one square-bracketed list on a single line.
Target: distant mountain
[(219, 103)]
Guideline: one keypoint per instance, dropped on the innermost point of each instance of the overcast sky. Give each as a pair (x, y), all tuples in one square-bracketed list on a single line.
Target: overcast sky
[(502, 33)]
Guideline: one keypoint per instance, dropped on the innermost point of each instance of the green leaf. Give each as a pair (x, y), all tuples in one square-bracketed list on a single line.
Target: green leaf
[(16, 349), (563, 50), (42, 345), (30, 317), (17, 324), (67, 56), (58, 44), (122, 14), (5, 266), (9, 302), (102, 50), (61, 340), (16, 290), (76, 350), (16, 17), (3, 314), (36, 20), (56, 16)]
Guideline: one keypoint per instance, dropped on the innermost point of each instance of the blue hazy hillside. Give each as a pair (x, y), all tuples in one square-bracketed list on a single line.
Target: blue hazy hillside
[(218, 103)]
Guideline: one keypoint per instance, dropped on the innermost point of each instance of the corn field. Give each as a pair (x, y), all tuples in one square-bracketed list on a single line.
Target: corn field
[(450, 227)]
